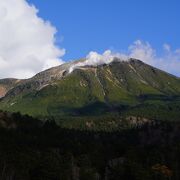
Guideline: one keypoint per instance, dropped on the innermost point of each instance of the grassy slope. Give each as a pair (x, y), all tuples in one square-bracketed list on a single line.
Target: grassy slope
[(141, 90)]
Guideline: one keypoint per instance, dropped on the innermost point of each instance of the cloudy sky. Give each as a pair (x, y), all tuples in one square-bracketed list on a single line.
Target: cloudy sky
[(36, 35)]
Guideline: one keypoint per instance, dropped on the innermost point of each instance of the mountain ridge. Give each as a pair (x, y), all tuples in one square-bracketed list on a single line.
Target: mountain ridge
[(100, 89), (58, 72)]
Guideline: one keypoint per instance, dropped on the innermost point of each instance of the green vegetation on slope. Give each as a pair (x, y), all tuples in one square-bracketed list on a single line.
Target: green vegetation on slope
[(123, 88)]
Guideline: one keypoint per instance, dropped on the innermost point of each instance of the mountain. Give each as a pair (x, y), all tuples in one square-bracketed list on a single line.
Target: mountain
[(7, 84), (121, 88)]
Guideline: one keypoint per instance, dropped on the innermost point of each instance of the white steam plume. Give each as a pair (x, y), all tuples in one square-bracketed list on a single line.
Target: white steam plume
[(95, 59), (169, 61)]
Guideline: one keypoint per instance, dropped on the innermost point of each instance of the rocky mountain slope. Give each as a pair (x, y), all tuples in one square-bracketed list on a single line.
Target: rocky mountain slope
[(121, 87), (7, 84)]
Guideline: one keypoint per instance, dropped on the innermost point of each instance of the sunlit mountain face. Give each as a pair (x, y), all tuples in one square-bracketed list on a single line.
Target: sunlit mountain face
[(122, 87)]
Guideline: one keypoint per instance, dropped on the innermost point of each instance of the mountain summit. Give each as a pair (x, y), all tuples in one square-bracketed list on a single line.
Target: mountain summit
[(79, 89)]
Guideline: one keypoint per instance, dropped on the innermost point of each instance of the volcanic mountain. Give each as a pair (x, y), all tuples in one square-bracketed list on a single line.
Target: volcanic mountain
[(124, 88)]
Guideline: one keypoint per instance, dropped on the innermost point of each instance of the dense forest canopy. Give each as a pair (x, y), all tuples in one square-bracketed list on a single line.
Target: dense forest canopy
[(34, 150)]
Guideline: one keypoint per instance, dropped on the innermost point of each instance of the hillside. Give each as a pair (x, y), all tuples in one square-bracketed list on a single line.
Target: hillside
[(122, 88)]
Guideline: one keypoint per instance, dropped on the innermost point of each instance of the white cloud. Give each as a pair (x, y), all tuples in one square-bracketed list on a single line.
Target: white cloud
[(27, 42), (167, 47), (169, 61), (142, 51)]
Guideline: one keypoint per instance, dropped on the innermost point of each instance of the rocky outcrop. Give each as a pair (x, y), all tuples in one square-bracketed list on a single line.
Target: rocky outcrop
[(137, 121), (2, 91), (6, 85)]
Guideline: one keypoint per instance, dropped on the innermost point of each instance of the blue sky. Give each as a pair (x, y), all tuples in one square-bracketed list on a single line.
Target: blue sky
[(86, 25), (148, 30)]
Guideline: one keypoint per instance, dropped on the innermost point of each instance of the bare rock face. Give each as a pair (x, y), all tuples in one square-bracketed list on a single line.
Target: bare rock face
[(37, 82), (2, 91), (6, 85), (138, 121)]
